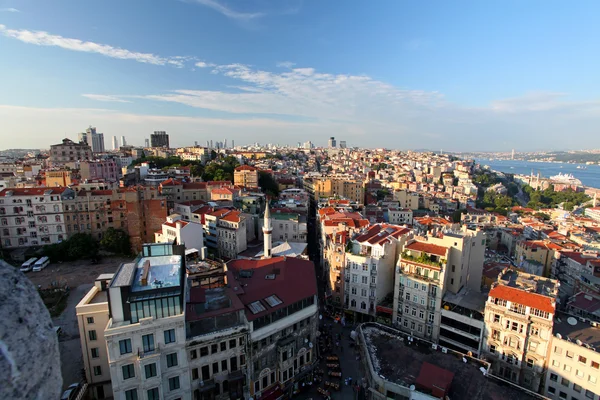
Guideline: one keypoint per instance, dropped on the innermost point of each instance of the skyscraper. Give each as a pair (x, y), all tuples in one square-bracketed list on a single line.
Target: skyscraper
[(232, 143), (115, 143), (123, 141), (92, 139), (146, 142), (159, 139), (342, 144), (332, 142)]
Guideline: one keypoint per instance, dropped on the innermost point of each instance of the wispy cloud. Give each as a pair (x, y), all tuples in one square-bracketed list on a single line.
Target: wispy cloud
[(202, 64), (107, 98), (10, 9), (285, 64), (228, 12), (42, 38)]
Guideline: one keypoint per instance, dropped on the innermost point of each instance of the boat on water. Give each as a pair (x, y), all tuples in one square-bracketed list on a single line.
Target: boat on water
[(568, 179), (581, 167)]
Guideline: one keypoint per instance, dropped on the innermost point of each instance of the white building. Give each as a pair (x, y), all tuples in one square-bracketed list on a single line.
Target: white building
[(33, 216), (176, 230), (145, 336), (369, 267), (231, 234), (400, 216)]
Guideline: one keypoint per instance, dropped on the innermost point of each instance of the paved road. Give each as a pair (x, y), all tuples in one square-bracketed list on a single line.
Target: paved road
[(71, 361)]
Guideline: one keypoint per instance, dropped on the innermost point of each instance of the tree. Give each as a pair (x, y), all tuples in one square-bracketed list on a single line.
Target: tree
[(542, 216), (268, 184), (116, 241), (457, 215), (568, 206)]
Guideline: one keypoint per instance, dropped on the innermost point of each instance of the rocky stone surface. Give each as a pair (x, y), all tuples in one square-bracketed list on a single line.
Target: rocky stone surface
[(29, 357)]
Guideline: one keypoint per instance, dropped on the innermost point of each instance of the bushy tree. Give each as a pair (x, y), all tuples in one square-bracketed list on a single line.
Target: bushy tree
[(268, 184), (116, 241)]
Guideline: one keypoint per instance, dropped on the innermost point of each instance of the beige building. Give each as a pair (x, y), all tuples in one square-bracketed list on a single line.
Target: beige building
[(231, 234), (92, 317), (573, 360), (407, 199), (517, 335), (58, 178), (536, 250), (246, 176), (342, 186)]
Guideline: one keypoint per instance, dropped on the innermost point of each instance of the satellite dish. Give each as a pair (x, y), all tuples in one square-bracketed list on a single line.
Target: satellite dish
[(558, 335), (579, 342), (305, 340), (310, 345), (572, 321), (412, 388)]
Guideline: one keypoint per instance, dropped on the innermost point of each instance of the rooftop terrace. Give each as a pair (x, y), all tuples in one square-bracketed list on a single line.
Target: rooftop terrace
[(397, 360), (528, 282), (571, 328)]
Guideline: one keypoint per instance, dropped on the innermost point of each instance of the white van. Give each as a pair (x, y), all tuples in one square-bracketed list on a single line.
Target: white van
[(41, 264), (28, 265)]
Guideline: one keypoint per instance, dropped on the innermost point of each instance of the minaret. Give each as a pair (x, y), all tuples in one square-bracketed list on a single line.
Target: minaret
[(267, 230)]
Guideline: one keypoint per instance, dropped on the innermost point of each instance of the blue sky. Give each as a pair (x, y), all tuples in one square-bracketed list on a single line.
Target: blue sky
[(463, 75)]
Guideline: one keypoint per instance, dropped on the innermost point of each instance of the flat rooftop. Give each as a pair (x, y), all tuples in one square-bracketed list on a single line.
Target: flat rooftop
[(572, 328), (529, 282), (467, 298), (399, 362), (99, 297)]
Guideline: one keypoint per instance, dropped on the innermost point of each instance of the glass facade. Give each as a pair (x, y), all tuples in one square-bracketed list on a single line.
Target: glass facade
[(159, 308)]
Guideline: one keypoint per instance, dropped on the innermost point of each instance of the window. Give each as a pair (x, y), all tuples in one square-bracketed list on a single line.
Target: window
[(589, 394), (493, 349), (97, 370), (150, 370), (148, 342), (194, 354), (232, 344), (195, 375), (530, 362), (577, 388), (570, 354), (171, 360), (592, 379), (223, 346), (131, 394), (95, 352), (92, 335), (125, 346), (582, 359), (567, 368), (128, 371), (554, 377), (565, 382), (557, 350), (555, 363), (497, 318), (223, 365), (90, 320), (215, 368), (551, 390), (174, 383), (153, 394), (170, 336), (595, 365), (579, 374), (562, 395)]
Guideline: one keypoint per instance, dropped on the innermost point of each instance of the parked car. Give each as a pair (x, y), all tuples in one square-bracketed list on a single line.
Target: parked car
[(71, 392)]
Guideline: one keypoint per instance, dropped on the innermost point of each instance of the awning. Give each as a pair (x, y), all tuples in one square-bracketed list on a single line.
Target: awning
[(274, 393), (191, 251)]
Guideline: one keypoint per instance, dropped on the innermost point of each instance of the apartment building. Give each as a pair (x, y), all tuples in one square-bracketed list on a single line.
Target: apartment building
[(573, 360), (33, 216), (407, 199), (231, 234), (245, 176), (279, 295), (216, 334), (176, 230), (69, 152), (519, 317), (593, 213), (146, 210), (93, 212), (369, 268), (290, 227), (176, 190), (145, 335), (61, 177), (106, 170), (539, 251), (400, 216), (336, 186), (92, 318), (429, 269)]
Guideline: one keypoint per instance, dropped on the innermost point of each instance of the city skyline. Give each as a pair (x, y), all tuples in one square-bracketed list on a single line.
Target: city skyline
[(471, 78)]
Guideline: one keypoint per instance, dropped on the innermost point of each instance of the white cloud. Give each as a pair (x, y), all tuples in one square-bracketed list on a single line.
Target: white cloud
[(42, 38), (285, 64), (228, 12), (104, 97), (10, 9), (202, 64)]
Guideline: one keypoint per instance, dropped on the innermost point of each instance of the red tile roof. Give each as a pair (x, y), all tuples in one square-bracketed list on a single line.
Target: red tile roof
[(246, 168), (32, 191), (295, 280), (174, 224), (519, 296), (429, 248), (170, 182), (233, 216), (379, 233)]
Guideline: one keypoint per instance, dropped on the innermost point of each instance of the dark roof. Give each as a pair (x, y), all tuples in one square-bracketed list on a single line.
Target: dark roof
[(434, 379), (294, 280), (32, 191)]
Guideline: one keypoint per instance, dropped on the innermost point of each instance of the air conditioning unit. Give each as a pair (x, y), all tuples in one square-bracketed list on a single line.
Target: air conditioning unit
[(444, 350), (434, 346)]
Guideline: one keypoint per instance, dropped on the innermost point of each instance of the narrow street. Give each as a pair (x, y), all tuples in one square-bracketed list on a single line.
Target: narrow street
[(342, 346)]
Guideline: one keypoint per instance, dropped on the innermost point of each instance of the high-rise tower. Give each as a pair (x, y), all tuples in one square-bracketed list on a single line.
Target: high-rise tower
[(267, 230)]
